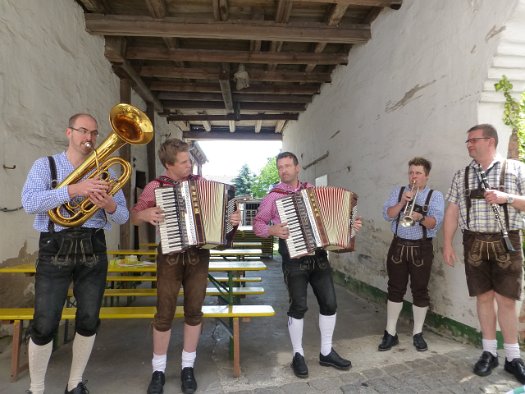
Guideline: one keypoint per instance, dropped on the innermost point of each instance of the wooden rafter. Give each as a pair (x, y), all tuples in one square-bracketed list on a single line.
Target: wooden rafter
[(221, 56), (145, 26), (232, 117)]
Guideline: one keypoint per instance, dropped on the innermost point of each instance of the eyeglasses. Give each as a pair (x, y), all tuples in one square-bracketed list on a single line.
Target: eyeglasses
[(83, 131), (474, 140)]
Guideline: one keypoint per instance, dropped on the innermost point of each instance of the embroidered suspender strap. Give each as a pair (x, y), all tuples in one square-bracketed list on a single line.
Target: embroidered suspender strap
[(399, 214), (54, 183), (282, 191), (502, 188), (468, 202)]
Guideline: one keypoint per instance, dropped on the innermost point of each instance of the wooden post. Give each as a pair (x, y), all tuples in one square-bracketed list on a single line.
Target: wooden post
[(125, 153), (151, 157)]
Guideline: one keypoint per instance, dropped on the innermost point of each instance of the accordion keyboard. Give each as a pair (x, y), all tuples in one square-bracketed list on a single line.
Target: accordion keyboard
[(170, 230), (296, 241)]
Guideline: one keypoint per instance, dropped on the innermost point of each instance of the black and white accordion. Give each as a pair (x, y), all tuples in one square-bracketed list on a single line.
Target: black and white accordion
[(196, 214), (319, 217)]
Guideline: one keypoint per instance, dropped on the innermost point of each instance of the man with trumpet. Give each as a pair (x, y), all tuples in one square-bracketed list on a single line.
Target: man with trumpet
[(415, 213), (69, 254), (491, 219)]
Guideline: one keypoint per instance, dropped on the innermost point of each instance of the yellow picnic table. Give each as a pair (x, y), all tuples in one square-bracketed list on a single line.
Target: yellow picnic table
[(239, 254)]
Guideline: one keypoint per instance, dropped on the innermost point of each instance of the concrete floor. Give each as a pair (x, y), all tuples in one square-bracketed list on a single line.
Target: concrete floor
[(121, 360)]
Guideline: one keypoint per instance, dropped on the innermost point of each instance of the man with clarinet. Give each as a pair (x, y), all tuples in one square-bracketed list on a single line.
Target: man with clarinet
[(486, 199)]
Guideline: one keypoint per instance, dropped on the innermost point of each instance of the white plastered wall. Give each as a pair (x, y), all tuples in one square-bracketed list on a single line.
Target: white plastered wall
[(412, 90), (50, 68)]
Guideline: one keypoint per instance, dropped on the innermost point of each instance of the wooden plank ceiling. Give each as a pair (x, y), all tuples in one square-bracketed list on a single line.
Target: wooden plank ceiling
[(237, 69)]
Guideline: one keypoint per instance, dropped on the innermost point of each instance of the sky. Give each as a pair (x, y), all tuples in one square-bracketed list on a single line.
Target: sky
[(225, 158)]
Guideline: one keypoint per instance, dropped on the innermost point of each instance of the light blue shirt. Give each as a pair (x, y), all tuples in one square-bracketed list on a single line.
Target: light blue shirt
[(436, 209), (38, 197)]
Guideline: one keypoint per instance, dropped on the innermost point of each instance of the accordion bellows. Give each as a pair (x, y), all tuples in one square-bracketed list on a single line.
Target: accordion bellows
[(319, 217), (196, 214)]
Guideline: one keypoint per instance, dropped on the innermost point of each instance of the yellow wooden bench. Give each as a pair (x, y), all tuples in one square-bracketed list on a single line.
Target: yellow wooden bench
[(146, 278), (17, 316), (147, 292)]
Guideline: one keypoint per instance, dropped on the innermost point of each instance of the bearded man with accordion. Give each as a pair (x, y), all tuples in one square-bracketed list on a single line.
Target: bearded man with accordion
[(295, 212)]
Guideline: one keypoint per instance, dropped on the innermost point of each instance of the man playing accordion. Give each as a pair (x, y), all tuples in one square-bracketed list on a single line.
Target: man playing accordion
[(298, 272)]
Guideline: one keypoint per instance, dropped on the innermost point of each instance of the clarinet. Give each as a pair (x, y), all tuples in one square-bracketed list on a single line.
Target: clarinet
[(495, 207)]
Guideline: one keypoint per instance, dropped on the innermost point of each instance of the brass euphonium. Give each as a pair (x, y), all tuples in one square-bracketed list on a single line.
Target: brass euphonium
[(129, 126)]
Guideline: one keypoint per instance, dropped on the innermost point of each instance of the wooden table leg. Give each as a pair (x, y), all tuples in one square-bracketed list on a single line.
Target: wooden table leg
[(236, 348), (15, 351)]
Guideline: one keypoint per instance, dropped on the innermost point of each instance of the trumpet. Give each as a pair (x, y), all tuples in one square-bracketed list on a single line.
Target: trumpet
[(129, 126), (406, 219)]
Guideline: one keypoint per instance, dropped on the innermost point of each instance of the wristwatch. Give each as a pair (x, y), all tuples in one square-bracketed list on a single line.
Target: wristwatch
[(510, 199)]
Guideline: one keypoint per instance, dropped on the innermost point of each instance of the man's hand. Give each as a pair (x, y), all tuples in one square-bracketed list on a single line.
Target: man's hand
[(495, 197), (104, 201), (153, 215), (358, 223), (449, 255), (279, 230), (235, 218), (87, 187)]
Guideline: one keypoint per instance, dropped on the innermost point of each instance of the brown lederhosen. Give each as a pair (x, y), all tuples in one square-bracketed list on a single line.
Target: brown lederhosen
[(489, 266)]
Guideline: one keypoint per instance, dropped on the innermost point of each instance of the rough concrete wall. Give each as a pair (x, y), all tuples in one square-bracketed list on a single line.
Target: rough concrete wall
[(413, 90), (50, 68)]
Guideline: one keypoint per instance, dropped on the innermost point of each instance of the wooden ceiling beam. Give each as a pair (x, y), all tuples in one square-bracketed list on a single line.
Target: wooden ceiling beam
[(98, 6), (244, 133), (221, 10), (258, 126), (231, 117), (218, 56), (138, 84), (157, 8), (231, 125), (181, 87), (334, 17), (213, 74), (258, 98), (145, 26), (395, 4), (226, 90), (251, 106)]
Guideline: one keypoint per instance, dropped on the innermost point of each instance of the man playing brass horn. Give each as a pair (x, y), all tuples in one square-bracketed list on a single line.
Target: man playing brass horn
[(75, 254), (415, 213)]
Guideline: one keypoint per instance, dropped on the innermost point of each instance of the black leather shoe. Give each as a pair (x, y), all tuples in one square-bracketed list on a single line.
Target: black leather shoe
[(486, 363), (189, 384), (517, 368), (387, 342), (299, 366), (419, 342), (334, 360), (156, 386), (80, 389)]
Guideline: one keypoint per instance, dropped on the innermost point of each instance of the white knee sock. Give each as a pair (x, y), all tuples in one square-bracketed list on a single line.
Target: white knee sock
[(393, 309), (188, 359), (82, 347), (158, 362), (295, 328), (38, 361), (490, 345), (326, 326), (512, 351), (419, 318)]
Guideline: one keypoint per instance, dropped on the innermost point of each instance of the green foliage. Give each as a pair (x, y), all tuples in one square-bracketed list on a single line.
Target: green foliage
[(244, 181), (265, 179), (514, 112)]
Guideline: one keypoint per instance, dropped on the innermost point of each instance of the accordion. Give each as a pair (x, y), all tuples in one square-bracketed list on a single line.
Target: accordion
[(196, 214), (319, 217)]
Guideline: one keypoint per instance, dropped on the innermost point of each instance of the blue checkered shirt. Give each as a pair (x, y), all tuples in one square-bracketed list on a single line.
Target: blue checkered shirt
[(482, 218), (38, 197), (436, 210)]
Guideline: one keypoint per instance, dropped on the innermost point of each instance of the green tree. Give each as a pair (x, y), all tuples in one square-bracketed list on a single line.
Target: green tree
[(244, 181), (513, 114), (265, 179)]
